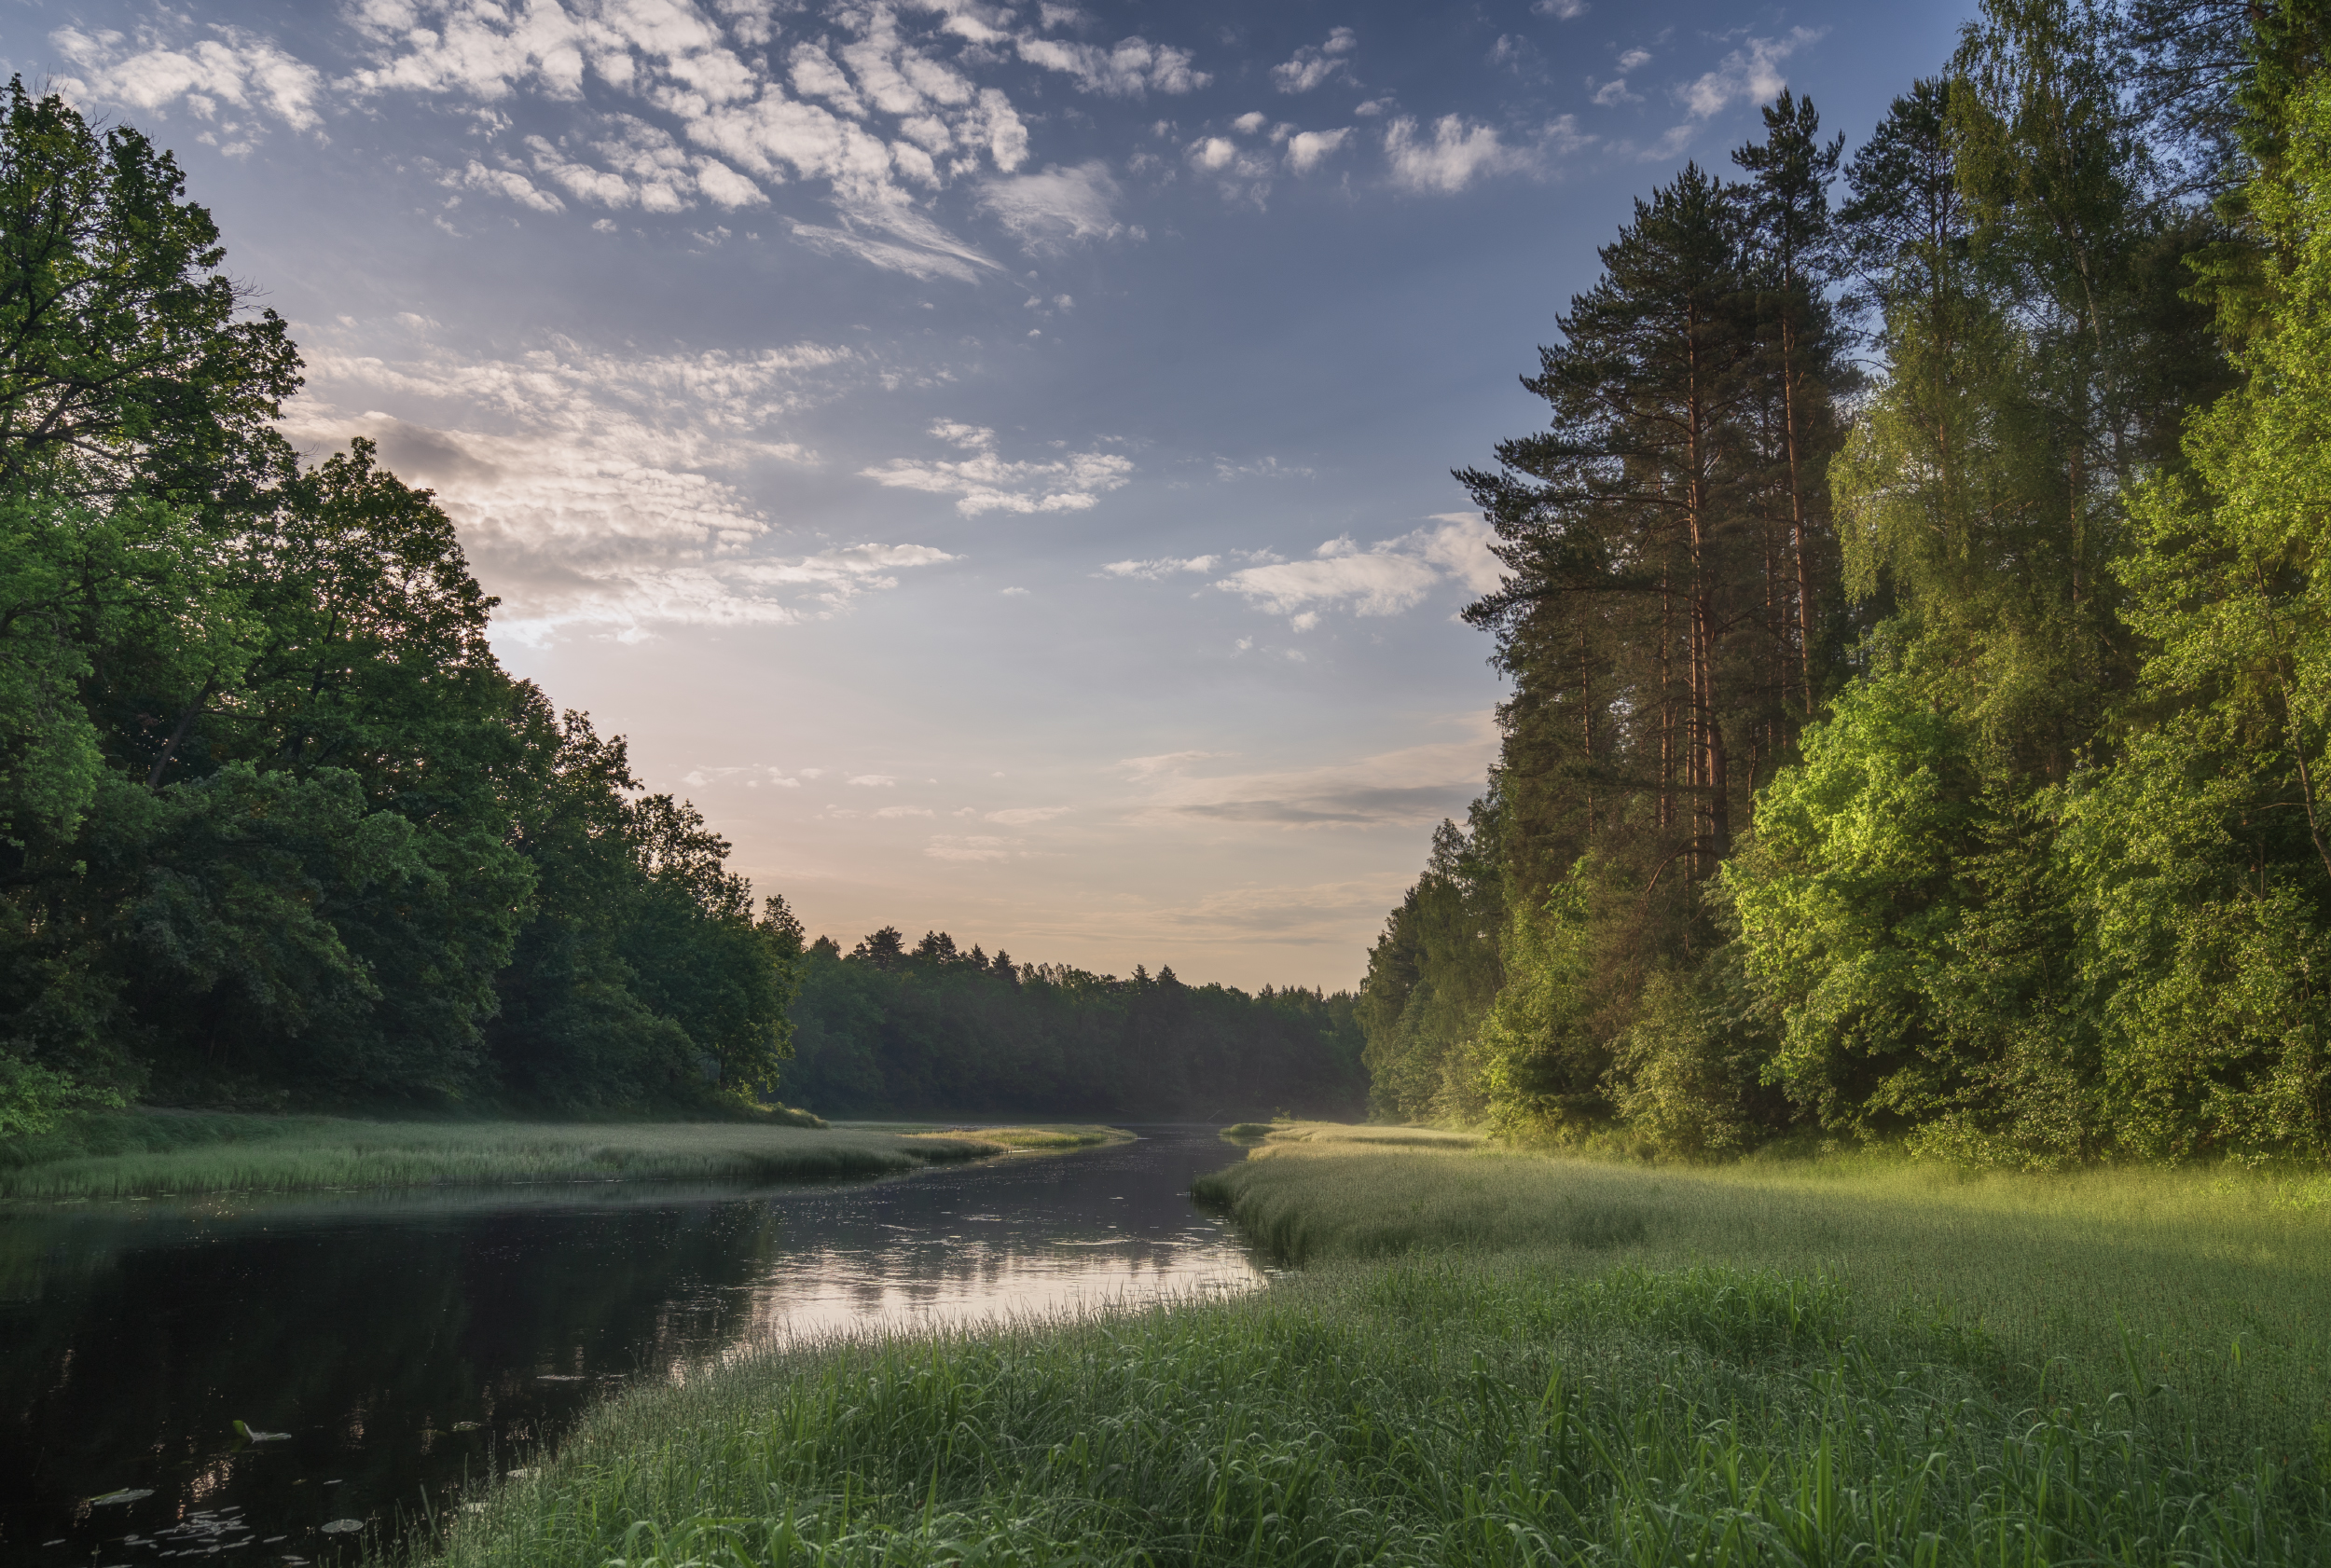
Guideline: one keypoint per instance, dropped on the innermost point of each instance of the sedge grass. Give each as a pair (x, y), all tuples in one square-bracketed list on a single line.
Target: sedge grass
[(1503, 1358), (311, 1152)]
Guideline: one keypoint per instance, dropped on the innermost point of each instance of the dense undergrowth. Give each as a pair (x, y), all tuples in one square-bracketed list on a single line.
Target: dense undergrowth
[(1503, 1358)]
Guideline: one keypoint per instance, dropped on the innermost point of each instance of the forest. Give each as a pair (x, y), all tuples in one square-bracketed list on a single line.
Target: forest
[(886, 1028), (1916, 622)]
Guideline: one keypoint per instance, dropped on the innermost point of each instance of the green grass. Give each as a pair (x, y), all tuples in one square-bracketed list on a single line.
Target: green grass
[(1049, 1137), (292, 1153), (1501, 1358)]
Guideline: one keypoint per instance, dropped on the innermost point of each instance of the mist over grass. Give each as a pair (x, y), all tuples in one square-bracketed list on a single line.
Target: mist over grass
[(1492, 1357)]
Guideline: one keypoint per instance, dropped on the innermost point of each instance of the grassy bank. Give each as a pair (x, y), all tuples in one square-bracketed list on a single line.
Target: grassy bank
[(1501, 1358), (218, 1154)]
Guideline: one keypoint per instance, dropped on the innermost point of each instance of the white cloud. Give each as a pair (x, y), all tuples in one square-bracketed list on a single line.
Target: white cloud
[(1454, 155), (1047, 211), (1560, 10), (875, 781), (230, 68), (894, 811), (1634, 60), (1386, 578), (1162, 566), (506, 183), (986, 482), (1307, 149), (1167, 762), (1747, 76), (1128, 70), (593, 487), (1314, 63)]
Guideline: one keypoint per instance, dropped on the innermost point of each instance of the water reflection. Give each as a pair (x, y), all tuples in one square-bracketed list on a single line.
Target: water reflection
[(405, 1342)]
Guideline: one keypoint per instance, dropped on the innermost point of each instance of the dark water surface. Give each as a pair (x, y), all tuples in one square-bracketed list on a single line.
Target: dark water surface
[(408, 1342)]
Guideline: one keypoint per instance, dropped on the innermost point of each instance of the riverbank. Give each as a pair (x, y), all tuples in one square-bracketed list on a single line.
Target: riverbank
[(184, 1154), (1498, 1358)]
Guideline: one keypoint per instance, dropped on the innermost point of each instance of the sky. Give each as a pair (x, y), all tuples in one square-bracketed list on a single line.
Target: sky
[(993, 459)]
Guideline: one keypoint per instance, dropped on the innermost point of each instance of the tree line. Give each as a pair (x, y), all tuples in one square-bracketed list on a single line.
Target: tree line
[(1920, 670), (273, 822), (889, 1029)]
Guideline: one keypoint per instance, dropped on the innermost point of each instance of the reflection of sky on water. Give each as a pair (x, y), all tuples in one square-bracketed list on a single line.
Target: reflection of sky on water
[(409, 1341)]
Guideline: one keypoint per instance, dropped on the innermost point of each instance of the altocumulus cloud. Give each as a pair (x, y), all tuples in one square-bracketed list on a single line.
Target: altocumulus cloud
[(671, 106), (599, 498)]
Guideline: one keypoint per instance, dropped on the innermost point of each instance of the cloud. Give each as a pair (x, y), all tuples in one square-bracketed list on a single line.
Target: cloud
[(1747, 76), (986, 482), (597, 488), (1385, 579), (1560, 10), (1410, 786), (1162, 566), (875, 781), (1020, 814), (1048, 212), (1314, 63), (968, 847), (229, 69), (1307, 149), (1454, 155), (1167, 762), (506, 183), (893, 811), (1130, 69)]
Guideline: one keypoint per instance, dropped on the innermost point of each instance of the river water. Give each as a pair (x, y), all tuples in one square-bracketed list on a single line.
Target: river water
[(407, 1342)]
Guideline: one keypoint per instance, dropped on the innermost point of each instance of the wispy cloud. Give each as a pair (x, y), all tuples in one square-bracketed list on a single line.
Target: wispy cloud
[(1454, 152), (1315, 63), (985, 481), (1412, 786), (1386, 578), (1749, 75), (1050, 211)]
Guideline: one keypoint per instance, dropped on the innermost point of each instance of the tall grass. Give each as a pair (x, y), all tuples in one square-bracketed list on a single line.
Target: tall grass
[(1498, 1358), (293, 1153)]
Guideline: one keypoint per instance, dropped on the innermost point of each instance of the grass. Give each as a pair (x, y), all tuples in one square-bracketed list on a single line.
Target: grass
[(1042, 1137), (293, 1153), (1492, 1357)]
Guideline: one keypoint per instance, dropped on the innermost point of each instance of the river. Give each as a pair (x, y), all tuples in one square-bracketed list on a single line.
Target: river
[(405, 1342)]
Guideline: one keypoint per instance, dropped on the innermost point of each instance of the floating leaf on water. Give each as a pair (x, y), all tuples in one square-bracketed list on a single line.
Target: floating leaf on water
[(341, 1526), (560, 1377), (465, 1427), (331, 1483), (253, 1435), (127, 1494)]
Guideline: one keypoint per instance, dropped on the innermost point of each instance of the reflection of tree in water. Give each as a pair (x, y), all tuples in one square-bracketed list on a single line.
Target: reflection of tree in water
[(366, 1344)]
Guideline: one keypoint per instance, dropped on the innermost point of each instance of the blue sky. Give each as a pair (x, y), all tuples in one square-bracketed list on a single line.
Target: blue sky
[(993, 458)]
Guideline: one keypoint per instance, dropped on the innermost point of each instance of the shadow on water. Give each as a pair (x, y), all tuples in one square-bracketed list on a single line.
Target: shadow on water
[(405, 1343)]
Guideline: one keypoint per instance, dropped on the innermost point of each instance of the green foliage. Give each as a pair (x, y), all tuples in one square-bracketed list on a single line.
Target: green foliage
[(937, 1031)]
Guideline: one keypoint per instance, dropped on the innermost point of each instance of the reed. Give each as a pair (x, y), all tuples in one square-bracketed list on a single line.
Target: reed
[(1501, 1358)]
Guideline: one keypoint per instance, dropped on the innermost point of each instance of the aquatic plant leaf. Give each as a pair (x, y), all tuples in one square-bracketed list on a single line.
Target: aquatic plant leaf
[(127, 1494), (466, 1425), (342, 1526), (252, 1434)]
